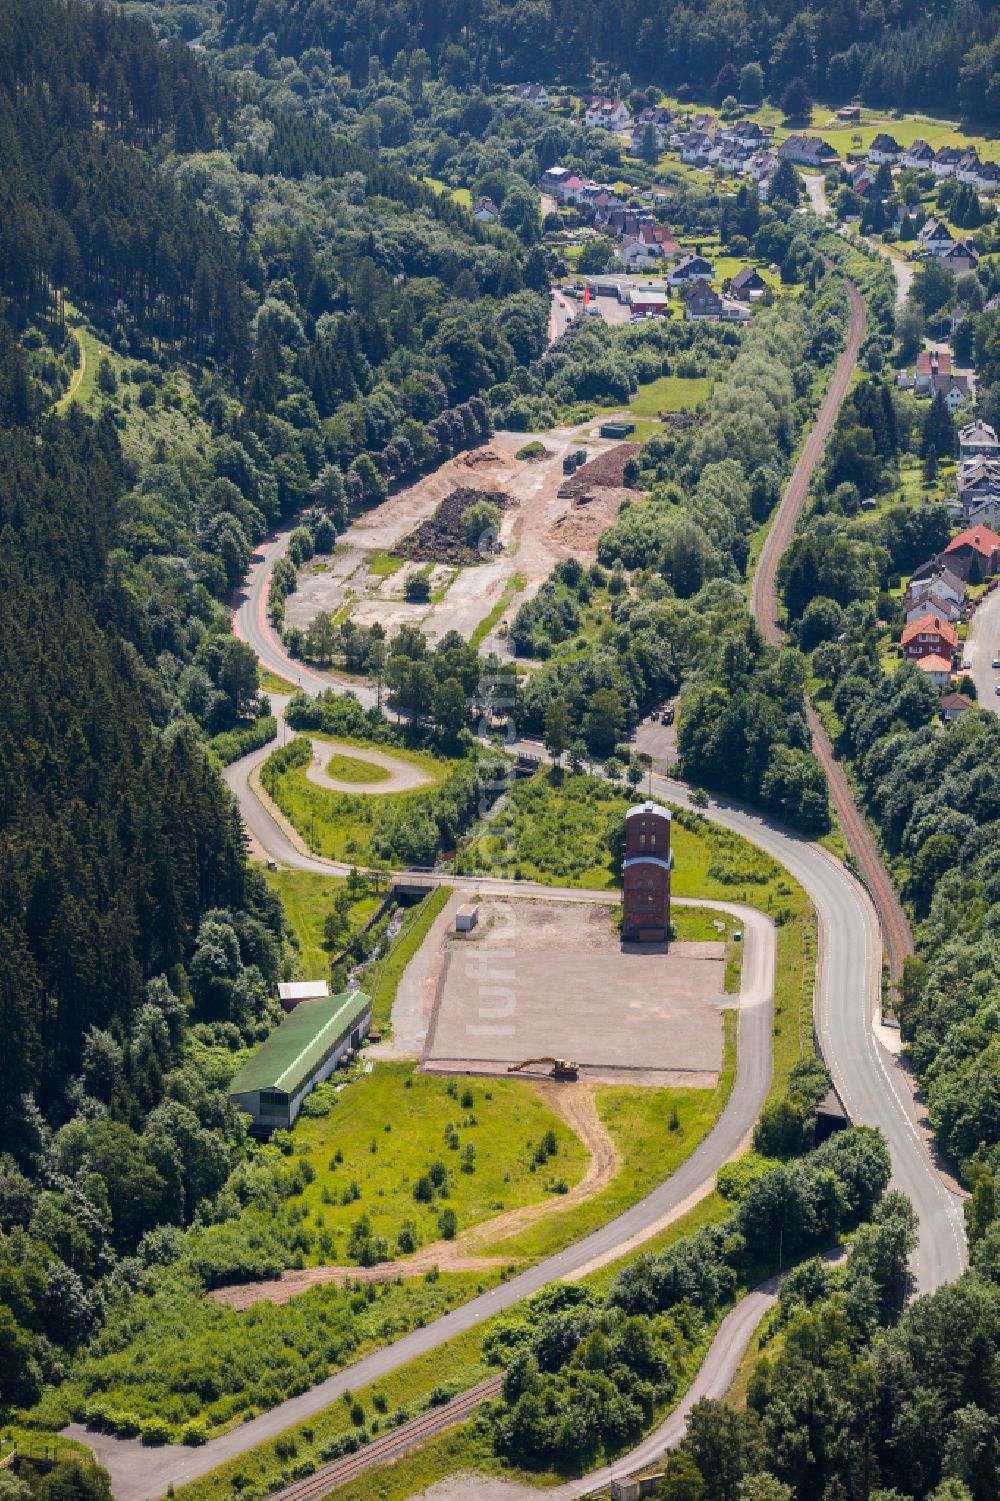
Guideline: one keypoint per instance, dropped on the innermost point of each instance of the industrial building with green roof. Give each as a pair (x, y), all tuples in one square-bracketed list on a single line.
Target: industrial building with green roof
[(302, 1051)]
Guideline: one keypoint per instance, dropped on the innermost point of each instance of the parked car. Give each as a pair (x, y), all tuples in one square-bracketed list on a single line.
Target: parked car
[(996, 662)]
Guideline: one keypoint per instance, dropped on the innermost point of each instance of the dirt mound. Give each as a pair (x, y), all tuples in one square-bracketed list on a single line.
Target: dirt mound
[(606, 472), (441, 539), (479, 456), (578, 531), (681, 422)]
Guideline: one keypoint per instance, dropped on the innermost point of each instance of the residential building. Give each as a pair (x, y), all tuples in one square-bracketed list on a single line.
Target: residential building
[(485, 210), (938, 669), (749, 134), (936, 577), (808, 151), (702, 301), (935, 236), (884, 148), (747, 284), (979, 542), (988, 179), (946, 160), (931, 603), (953, 706), (955, 391), (862, 182), (696, 148), (646, 874), (929, 636), (658, 235), (553, 178), (968, 168), (638, 256), (919, 155), (534, 93), (608, 114), (303, 1050), (849, 112), (691, 268), (978, 440), (962, 256)]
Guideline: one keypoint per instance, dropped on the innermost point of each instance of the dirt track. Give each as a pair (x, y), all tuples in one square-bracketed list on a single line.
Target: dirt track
[(764, 606), (400, 776), (575, 1103)]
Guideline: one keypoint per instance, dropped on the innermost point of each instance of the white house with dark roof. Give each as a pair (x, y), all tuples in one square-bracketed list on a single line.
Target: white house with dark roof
[(884, 148), (962, 256), (608, 114), (919, 155), (485, 210), (808, 151), (534, 93), (935, 236), (946, 160), (689, 269)]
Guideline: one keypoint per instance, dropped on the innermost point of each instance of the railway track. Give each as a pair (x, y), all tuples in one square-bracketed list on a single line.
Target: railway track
[(391, 1445), (896, 932)]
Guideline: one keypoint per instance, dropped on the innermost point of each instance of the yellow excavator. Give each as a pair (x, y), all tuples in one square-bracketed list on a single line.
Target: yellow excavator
[(559, 1068)]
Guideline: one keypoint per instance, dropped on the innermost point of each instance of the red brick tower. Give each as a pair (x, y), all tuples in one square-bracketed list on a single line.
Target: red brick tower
[(646, 875)]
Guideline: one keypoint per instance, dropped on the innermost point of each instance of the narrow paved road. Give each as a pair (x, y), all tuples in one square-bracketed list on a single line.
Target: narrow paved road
[(983, 649), (764, 605)]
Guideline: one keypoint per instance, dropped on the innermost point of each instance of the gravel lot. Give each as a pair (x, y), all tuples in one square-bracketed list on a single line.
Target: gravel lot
[(550, 978)]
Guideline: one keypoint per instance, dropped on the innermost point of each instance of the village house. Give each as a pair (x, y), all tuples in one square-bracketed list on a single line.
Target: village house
[(968, 167), (702, 301), (637, 255), (485, 210), (960, 257), (884, 149), (749, 134), (862, 182), (534, 93), (608, 114), (696, 148), (747, 284), (935, 236), (988, 180), (936, 578), (978, 484), (977, 440), (659, 235), (953, 706), (931, 603), (918, 156), (936, 668), (978, 544), (929, 636), (946, 160), (691, 268), (808, 151), (657, 119)]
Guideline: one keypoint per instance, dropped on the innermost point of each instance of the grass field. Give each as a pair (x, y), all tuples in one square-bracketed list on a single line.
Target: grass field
[(344, 768), (340, 825), (671, 393), (390, 1126), (383, 565), (307, 898)]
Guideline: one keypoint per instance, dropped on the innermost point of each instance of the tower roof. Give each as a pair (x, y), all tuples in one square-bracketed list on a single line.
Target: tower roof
[(649, 807)]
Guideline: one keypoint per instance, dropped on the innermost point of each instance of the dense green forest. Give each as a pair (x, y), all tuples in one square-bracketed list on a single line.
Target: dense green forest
[(907, 53)]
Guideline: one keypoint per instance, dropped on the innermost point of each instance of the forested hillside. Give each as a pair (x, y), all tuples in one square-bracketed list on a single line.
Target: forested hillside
[(911, 53)]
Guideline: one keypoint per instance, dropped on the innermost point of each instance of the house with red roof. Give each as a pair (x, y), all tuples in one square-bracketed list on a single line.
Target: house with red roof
[(977, 542), (938, 669), (930, 636)]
